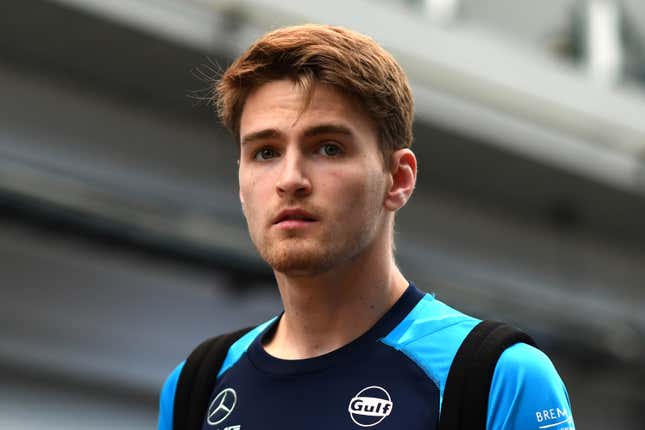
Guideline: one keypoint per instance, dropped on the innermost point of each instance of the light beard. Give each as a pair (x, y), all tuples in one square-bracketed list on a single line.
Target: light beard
[(302, 257)]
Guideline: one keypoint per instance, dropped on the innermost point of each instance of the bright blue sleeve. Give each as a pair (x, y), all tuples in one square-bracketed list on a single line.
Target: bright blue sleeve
[(167, 399), (527, 393)]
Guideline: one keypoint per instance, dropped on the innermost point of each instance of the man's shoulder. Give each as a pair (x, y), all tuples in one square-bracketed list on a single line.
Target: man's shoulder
[(433, 331), (169, 389), (430, 336), (429, 320)]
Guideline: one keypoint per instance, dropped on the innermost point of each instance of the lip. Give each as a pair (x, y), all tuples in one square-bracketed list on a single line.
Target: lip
[(294, 217)]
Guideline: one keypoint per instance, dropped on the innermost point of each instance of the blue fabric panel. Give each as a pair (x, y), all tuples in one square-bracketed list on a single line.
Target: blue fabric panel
[(430, 336), (238, 348), (167, 399), (527, 393)]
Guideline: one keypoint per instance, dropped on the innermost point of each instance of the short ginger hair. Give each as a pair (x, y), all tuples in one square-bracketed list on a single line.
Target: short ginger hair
[(310, 53)]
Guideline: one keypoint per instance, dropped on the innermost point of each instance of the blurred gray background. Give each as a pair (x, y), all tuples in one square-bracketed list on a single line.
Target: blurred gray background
[(122, 243)]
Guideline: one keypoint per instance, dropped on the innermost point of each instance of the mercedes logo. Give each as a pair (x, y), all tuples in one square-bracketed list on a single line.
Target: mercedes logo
[(221, 406)]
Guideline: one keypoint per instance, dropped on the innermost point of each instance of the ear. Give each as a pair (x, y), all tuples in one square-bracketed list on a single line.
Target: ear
[(403, 178)]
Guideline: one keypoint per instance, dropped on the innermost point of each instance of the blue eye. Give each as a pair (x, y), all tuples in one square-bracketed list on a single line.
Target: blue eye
[(265, 154), (329, 150)]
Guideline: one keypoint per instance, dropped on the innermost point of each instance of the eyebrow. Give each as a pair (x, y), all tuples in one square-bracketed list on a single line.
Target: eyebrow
[(269, 133), (272, 133), (328, 129)]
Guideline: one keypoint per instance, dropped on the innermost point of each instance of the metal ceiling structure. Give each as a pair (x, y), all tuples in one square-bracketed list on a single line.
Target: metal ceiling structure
[(463, 78)]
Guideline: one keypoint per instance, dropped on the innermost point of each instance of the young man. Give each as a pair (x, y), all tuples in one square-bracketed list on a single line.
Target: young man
[(323, 119)]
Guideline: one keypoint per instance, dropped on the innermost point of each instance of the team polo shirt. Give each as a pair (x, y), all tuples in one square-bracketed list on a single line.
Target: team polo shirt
[(390, 378)]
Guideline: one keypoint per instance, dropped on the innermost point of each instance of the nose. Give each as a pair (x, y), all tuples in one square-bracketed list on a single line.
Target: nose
[(293, 180)]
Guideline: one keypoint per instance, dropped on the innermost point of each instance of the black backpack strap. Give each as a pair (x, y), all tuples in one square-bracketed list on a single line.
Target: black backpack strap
[(465, 399), (197, 380)]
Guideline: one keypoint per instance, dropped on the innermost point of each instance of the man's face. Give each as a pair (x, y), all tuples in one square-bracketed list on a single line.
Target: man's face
[(312, 182)]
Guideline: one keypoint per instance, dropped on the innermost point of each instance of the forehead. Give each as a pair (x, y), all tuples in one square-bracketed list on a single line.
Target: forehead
[(282, 105)]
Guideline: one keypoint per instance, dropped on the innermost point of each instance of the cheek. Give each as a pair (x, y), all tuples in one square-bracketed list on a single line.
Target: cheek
[(249, 179), (257, 190), (358, 193)]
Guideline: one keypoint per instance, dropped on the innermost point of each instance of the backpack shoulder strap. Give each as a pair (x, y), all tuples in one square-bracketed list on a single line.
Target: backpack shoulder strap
[(465, 399), (197, 380)]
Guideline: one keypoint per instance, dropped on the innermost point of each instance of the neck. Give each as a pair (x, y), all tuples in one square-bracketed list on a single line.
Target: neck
[(325, 312)]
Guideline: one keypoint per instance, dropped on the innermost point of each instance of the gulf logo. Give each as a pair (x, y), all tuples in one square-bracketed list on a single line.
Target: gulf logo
[(370, 406)]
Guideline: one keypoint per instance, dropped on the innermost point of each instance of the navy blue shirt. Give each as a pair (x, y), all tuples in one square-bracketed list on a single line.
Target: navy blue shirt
[(391, 377)]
